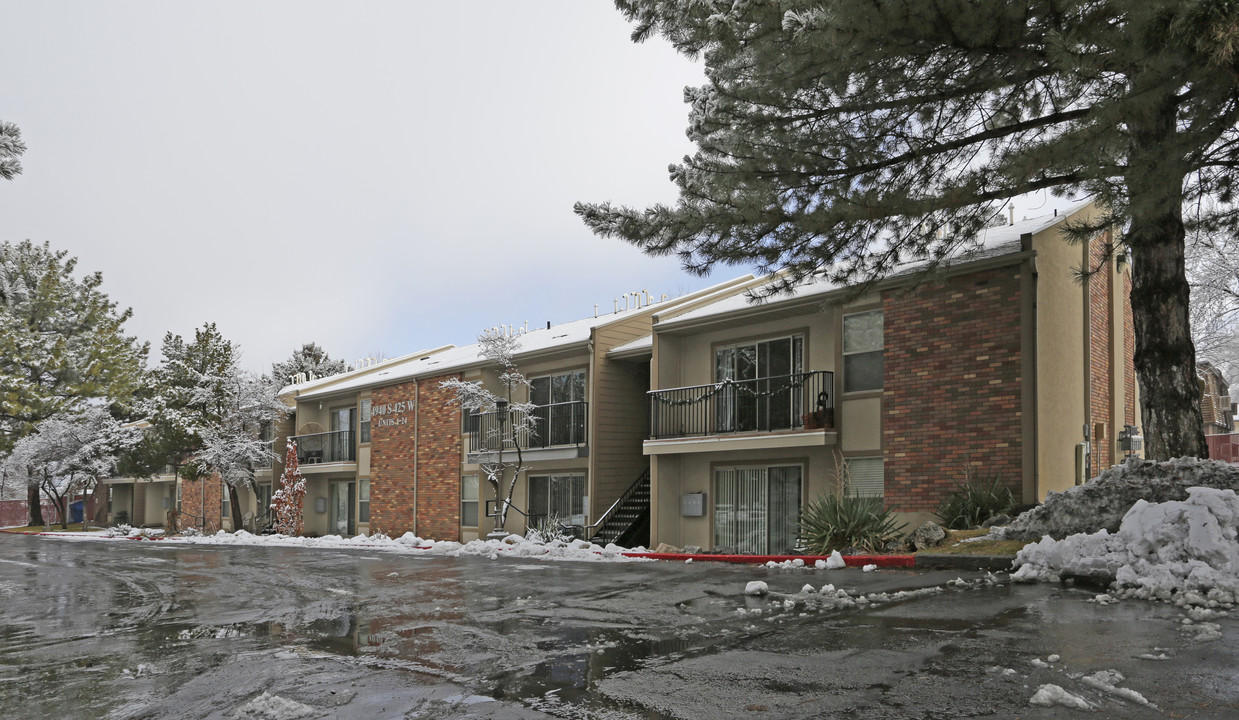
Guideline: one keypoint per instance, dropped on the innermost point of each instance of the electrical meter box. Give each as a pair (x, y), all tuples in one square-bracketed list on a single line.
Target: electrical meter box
[(692, 504)]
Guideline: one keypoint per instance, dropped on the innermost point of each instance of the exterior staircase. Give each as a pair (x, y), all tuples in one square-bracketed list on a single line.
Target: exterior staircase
[(628, 524)]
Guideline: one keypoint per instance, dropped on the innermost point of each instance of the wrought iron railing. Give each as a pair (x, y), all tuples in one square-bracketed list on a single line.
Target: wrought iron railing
[(800, 401), (555, 425), (327, 447)]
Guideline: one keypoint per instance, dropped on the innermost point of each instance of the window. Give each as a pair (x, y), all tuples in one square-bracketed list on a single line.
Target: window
[(469, 501), (225, 504), (862, 351), (469, 420), (557, 496), (561, 408), (867, 476), (757, 509), (363, 500), (263, 495), (765, 392), (364, 431)]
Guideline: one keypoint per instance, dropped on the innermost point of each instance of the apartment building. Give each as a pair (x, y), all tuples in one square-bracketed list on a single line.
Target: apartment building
[(1002, 365), (386, 448)]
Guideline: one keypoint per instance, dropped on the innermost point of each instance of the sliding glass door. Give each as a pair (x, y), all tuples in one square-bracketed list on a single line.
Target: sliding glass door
[(757, 509)]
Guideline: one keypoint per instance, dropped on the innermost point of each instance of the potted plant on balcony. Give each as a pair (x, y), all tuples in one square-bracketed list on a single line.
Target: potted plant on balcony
[(821, 418)]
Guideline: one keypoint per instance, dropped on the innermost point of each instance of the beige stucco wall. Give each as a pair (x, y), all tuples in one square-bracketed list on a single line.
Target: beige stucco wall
[(691, 473), (316, 523), (1062, 359), (860, 425)]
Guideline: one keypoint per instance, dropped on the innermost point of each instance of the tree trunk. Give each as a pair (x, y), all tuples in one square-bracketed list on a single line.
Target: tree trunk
[(235, 506), (1165, 356), (35, 505)]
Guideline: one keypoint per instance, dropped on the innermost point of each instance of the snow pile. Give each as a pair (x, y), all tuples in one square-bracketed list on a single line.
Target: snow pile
[(273, 707), (1050, 695), (1102, 502), (1181, 550), (1107, 681)]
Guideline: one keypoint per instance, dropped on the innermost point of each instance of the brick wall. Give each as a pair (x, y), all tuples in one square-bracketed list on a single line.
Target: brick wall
[(951, 387), (437, 449), (438, 462), (198, 496), (1101, 340), (392, 446)]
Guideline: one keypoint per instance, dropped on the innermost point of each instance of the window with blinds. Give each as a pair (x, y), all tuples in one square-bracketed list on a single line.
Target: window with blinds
[(868, 476), (757, 509)]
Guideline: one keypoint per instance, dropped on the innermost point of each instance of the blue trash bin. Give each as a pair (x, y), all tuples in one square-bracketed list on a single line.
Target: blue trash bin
[(75, 511)]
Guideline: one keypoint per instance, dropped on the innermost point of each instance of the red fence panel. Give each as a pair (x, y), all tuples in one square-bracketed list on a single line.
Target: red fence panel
[(1223, 447)]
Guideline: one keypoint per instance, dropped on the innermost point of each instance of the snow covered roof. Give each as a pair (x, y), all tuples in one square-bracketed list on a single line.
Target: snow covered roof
[(332, 384), (533, 342), (993, 242), (641, 346)]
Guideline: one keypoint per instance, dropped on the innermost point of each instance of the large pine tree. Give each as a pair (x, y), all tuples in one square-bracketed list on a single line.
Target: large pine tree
[(847, 137), (62, 344)]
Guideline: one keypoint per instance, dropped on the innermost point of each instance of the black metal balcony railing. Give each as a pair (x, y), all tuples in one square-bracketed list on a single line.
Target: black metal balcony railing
[(555, 425), (783, 402), (327, 447)]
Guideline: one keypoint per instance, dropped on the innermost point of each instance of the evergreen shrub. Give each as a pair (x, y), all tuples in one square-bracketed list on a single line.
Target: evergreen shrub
[(975, 501), (842, 520)]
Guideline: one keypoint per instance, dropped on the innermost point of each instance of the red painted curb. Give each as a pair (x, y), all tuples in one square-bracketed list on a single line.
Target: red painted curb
[(898, 561)]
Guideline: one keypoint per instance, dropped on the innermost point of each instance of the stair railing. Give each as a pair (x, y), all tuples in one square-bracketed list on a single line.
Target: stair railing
[(602, 519)]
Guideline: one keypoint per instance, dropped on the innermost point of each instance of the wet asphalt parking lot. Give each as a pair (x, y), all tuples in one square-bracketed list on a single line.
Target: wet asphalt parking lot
[(159, 630)]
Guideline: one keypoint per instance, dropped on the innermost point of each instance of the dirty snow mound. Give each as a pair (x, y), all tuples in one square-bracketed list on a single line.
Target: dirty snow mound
[(274, 707), (1102, 502), (1181, 549), (1050, 695)]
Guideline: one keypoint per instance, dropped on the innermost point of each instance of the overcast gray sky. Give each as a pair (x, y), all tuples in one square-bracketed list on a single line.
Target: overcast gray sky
[(376, 177)]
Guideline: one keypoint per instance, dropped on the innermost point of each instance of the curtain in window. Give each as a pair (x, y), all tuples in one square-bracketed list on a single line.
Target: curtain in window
[(757, 510), (784, 508)]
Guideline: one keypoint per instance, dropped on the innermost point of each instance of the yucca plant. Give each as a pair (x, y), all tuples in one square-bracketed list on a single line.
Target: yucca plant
[(975, 501), (842, 520)]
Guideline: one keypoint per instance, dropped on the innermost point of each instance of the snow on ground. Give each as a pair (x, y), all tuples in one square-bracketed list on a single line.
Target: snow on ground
[(512, 546), (1182, 551), (1102, 502)]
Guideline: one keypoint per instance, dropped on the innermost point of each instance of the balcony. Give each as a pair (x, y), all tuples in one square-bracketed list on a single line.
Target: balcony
[(322, 448), (781, 403), (560, 430)]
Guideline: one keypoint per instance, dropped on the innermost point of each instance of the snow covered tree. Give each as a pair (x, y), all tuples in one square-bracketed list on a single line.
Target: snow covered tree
[(309, 358), (69, 453), (11, 147), (517, 421), (1213, 269), (844, 138), (288, 501), (208, 413), (62, 343)]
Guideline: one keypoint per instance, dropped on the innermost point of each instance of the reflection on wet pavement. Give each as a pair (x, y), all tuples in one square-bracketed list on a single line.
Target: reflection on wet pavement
[(138, 630)]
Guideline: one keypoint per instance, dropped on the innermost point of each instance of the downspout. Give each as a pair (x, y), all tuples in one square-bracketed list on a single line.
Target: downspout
[(417, 442)]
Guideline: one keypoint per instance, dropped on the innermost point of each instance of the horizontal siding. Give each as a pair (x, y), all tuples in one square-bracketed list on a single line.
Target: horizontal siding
[(619, 405)]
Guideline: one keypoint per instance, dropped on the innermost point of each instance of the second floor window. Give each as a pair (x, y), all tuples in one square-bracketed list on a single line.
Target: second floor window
[(561, 408), (364, 429), (862, 351), (765, 392)]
